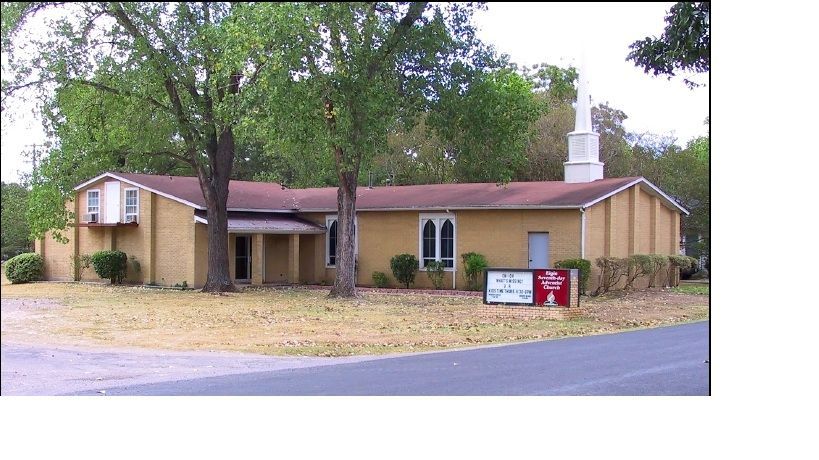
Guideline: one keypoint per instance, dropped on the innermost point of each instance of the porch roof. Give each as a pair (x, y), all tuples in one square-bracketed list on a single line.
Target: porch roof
[(264, 222)]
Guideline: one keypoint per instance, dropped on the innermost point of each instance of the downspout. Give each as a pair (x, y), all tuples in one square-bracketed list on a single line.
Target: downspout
[(582, 233)]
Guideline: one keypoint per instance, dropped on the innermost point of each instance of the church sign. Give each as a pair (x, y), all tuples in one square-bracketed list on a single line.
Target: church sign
[(537, 287)]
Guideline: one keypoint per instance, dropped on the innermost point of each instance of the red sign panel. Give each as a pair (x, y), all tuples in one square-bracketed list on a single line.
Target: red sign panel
[(551, 287)]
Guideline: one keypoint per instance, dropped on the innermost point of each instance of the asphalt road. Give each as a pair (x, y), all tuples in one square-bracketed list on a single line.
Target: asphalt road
[(661, 361)]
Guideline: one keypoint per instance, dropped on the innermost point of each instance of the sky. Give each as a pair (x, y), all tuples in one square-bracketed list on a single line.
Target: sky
[(532, 33)]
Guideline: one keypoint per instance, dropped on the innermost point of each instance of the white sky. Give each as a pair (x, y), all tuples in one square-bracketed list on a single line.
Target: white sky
[(532, 33)]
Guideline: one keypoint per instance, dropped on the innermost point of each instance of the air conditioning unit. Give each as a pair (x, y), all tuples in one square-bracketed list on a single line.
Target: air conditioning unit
[(90, 218), (131, 219)]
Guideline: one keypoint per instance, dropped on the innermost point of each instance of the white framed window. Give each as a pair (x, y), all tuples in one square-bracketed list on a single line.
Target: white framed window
[(131, 205), (93, 204), (436, 240), (331, 239)]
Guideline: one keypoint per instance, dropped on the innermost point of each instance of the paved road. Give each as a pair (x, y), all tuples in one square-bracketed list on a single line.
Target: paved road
[(661, 361)]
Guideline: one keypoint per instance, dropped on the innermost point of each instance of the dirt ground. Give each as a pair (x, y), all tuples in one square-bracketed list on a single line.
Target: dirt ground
[(302, 322)]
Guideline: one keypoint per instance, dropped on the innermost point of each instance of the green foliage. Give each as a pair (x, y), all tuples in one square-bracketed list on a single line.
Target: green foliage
[(24, 268), (584, 270), (14, 226), (380, 279), (8, 252), (658, 263), (435, 271), (488, 126), (474, 265), (404, 267), (110, 265), (182, 285), (612, 270), (639, 265), (79, 264), (678, 263), (685, 44)]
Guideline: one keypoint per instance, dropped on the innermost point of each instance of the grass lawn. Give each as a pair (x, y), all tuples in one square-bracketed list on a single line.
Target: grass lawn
[(296, 321), (697, 289)]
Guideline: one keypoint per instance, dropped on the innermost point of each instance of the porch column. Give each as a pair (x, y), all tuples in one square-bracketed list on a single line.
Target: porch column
[(293, 259), (257, 255)]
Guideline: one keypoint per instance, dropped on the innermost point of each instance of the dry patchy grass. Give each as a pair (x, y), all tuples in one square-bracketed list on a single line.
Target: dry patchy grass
[(300, 321)]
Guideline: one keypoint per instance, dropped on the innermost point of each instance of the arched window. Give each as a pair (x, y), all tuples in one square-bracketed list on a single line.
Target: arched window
[(437, 239), (448, 243), (429, 243), (332, 238)]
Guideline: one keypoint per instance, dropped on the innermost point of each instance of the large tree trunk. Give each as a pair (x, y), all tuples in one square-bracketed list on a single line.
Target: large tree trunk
[(344, 285), (215, 190)]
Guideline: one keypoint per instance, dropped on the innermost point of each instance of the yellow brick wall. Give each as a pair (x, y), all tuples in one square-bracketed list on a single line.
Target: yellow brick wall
[(620, 234), (174, 239), (276, 258), (644, 231), (56, 256), (307, 258), (200, 255)]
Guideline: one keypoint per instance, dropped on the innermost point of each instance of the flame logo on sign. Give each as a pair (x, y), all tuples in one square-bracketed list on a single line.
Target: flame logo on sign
[(550, 299)]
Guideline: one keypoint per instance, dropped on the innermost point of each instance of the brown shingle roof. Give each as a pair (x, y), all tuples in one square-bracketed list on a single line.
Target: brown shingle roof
[(265, 222), (243, 194), (554, 194), (270, 196)]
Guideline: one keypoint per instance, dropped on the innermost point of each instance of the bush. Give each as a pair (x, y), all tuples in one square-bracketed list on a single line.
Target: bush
[(404, 267), (474, 265), (435, 271), (380, 279), (690, 268), (110, 265), (612, 270), (700, 275), (25, 267), (583, 267), (80, 263), (658, 262), (683, 263), (639, 265)]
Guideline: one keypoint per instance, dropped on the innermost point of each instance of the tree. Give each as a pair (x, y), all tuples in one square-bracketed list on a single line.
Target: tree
[(349, 74), (685, 44), (140, 80), (14, 227), (685, 175)]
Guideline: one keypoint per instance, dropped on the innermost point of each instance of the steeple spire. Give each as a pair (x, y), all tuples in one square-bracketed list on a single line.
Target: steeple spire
[(582, 122), (584, 145)]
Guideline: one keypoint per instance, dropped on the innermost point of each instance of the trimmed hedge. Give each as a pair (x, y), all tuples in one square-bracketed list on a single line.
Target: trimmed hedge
[(583, 267), (110, 265), (404, 267), (24, 268)]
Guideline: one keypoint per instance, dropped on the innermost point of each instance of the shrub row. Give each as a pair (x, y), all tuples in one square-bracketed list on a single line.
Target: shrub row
[(405, 266), (632, 268)]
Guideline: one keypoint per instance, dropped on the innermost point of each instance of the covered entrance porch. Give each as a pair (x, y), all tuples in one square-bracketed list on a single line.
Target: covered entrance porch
[(273, 248)]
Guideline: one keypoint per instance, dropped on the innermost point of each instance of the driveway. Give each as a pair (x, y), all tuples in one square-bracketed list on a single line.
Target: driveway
[(663, 361)]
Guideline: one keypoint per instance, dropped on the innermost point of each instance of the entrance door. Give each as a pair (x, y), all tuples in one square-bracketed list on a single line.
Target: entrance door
[(538, 250), (111, 199), (243, 268)]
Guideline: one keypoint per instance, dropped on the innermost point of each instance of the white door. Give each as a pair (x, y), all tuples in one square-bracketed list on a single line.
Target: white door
[(111, 202), (538, 250)]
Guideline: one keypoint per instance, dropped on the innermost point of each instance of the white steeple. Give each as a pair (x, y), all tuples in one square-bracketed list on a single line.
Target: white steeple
[(584, 145)]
